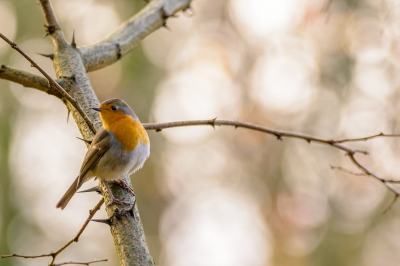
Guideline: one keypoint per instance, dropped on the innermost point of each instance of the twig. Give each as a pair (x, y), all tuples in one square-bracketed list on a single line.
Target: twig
[(59, 89), (25, 256), (348, 171), (366, 138), (279, 134), (389, 207), (74, 239), (387, 183), (79, 263)]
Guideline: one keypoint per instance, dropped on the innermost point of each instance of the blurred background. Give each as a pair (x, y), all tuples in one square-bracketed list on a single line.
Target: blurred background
[(224, 196)]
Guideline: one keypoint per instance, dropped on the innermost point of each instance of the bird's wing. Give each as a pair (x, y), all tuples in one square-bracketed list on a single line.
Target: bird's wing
[(100, 145)]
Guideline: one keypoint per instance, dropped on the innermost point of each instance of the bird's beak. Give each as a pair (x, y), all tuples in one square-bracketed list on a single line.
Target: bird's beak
[(97, 109)]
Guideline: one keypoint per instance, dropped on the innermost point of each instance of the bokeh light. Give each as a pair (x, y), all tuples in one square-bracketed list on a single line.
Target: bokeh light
[(217, 196)]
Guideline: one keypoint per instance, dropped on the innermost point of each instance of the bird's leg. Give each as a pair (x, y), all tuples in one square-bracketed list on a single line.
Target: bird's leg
[(114, 200)]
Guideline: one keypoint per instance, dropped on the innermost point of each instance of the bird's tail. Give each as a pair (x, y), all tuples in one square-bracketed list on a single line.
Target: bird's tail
[(68, 195)]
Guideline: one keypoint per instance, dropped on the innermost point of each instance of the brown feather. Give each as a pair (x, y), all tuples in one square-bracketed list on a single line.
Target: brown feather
[(99, 146)]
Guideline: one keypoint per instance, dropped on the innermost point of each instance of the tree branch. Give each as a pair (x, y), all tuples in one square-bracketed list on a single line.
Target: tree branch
[(367, 138), (387, 183), (27, 79), (74, 239), (127, 232), (52, 27), (59, 89), (79, 263), (347, 171), (130, 33), (279, 134)]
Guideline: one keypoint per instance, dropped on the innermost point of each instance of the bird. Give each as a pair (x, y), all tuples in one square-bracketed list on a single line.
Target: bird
[(117, 150)]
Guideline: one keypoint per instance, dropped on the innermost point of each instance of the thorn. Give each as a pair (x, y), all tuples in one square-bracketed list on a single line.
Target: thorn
[(119, 52), (158, 129), (51, 56), (2, 67), (278, 136), (50, 29), (132, 210), (165, 17), (166, 26), (93, 189), (69, 112), (85, 140), (213, 122), (104, 221), (70, 80), (73, 43)]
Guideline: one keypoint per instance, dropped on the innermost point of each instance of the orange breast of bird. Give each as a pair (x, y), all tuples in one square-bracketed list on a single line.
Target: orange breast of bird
[(127, 131)]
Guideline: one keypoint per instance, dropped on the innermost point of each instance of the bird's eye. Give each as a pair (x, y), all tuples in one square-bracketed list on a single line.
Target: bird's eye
[(114, 108)]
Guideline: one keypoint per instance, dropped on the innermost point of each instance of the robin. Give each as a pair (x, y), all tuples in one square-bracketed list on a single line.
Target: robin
[(118, 149)]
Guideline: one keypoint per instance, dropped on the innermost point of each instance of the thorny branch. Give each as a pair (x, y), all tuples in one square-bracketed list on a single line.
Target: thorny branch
[(57, 87), (74, 239), (128, 35), (279, 134), (351, 152)]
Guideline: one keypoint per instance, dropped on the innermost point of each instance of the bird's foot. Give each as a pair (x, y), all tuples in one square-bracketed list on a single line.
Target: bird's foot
[(121, 183)]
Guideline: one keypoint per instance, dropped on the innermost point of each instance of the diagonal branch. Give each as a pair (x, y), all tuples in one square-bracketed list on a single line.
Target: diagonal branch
[(74, 239), (387, 183), (27, 79), (130, 33), (347, 171), (59, 89)]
